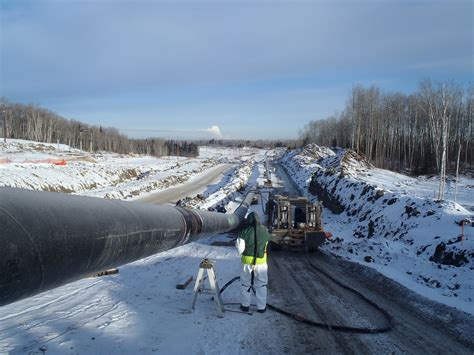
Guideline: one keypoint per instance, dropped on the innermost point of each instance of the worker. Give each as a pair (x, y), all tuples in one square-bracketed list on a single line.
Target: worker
[(252, 245)]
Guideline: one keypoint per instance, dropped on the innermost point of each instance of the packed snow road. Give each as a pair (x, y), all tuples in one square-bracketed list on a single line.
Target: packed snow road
[(296, 285), (420, 325), (192, 187), (140, 310)]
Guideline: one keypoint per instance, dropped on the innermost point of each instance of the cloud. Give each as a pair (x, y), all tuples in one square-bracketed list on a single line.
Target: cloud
[(214, 130), (238, 63), (55, 49)]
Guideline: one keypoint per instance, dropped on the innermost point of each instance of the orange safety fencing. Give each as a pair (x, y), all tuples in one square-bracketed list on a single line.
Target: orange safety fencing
[(61, 162)]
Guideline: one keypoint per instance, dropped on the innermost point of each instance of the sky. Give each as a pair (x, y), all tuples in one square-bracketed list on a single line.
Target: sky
[(223, 69)]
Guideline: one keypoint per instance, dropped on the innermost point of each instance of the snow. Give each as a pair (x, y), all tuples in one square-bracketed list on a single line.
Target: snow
[(103, 174), (423, 186), (391, 222), (140, 310), (117, 314)]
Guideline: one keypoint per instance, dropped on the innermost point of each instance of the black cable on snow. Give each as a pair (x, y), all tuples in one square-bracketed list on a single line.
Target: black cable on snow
[(229, 283), (385, 313), (328, 326), (340, 328)]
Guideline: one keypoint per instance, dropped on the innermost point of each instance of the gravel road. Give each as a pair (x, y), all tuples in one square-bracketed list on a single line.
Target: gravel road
[(192, 187), (420, 325)]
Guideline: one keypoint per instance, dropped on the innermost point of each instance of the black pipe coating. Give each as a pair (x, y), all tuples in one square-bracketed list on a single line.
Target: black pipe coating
[(49, 239)]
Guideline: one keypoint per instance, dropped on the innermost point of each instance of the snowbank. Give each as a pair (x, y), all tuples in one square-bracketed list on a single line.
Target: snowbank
[(30, 165), (224, 191), (376, 220)]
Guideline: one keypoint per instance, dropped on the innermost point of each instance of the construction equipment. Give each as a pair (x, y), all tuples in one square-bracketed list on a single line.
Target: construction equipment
[(296, 223), (267, 175)]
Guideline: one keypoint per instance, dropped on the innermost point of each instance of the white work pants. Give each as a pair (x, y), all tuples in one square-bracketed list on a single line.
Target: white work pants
[(259, 284)]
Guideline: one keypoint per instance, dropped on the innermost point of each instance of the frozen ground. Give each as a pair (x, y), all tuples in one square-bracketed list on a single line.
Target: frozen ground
[(141, 311), (391, 222), (30, 165), (137, 311)]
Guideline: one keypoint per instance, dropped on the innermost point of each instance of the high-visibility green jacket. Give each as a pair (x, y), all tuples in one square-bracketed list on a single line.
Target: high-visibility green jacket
[(254, 254)]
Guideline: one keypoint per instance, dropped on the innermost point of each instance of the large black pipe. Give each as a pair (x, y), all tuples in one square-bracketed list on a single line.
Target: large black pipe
[(49, 239)]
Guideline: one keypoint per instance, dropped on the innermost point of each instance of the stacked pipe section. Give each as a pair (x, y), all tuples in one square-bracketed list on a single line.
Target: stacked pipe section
[(50, 239)]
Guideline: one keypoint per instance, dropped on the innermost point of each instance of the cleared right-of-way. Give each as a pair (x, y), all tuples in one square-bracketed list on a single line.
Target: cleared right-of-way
[(303, 285), (192, 187)]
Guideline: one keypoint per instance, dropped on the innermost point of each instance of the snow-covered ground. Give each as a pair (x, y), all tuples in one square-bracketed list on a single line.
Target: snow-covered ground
[(140, 310), (391, 222), (137, 311), (31, 165)]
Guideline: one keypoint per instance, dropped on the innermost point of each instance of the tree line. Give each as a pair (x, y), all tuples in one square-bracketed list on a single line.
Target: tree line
[(32, 122), (430, 130), (257, 143)]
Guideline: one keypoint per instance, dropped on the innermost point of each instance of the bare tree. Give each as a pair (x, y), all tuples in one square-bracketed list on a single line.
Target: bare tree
[(422, 132)]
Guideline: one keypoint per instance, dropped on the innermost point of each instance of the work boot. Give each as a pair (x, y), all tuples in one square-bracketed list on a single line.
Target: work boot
[(244, 308), (262, 310)]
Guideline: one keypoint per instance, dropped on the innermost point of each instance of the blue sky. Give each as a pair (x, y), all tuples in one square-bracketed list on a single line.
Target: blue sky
[(255, 69)]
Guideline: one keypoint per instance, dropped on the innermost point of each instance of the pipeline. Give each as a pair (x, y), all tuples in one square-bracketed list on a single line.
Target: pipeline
[(49, 239)]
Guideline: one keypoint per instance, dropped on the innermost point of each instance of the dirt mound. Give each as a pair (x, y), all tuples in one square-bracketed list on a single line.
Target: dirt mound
[(351, 159), (86, 158), (448, 254), (316, 152), (346, 162)]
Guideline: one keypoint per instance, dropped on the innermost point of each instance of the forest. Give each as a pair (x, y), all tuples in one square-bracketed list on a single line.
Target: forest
[(428, 131), (35, 123)]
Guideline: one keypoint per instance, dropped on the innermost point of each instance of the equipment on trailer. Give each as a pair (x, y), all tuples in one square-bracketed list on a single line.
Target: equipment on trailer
[(267, 175), (267, 183), (296, 223)]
